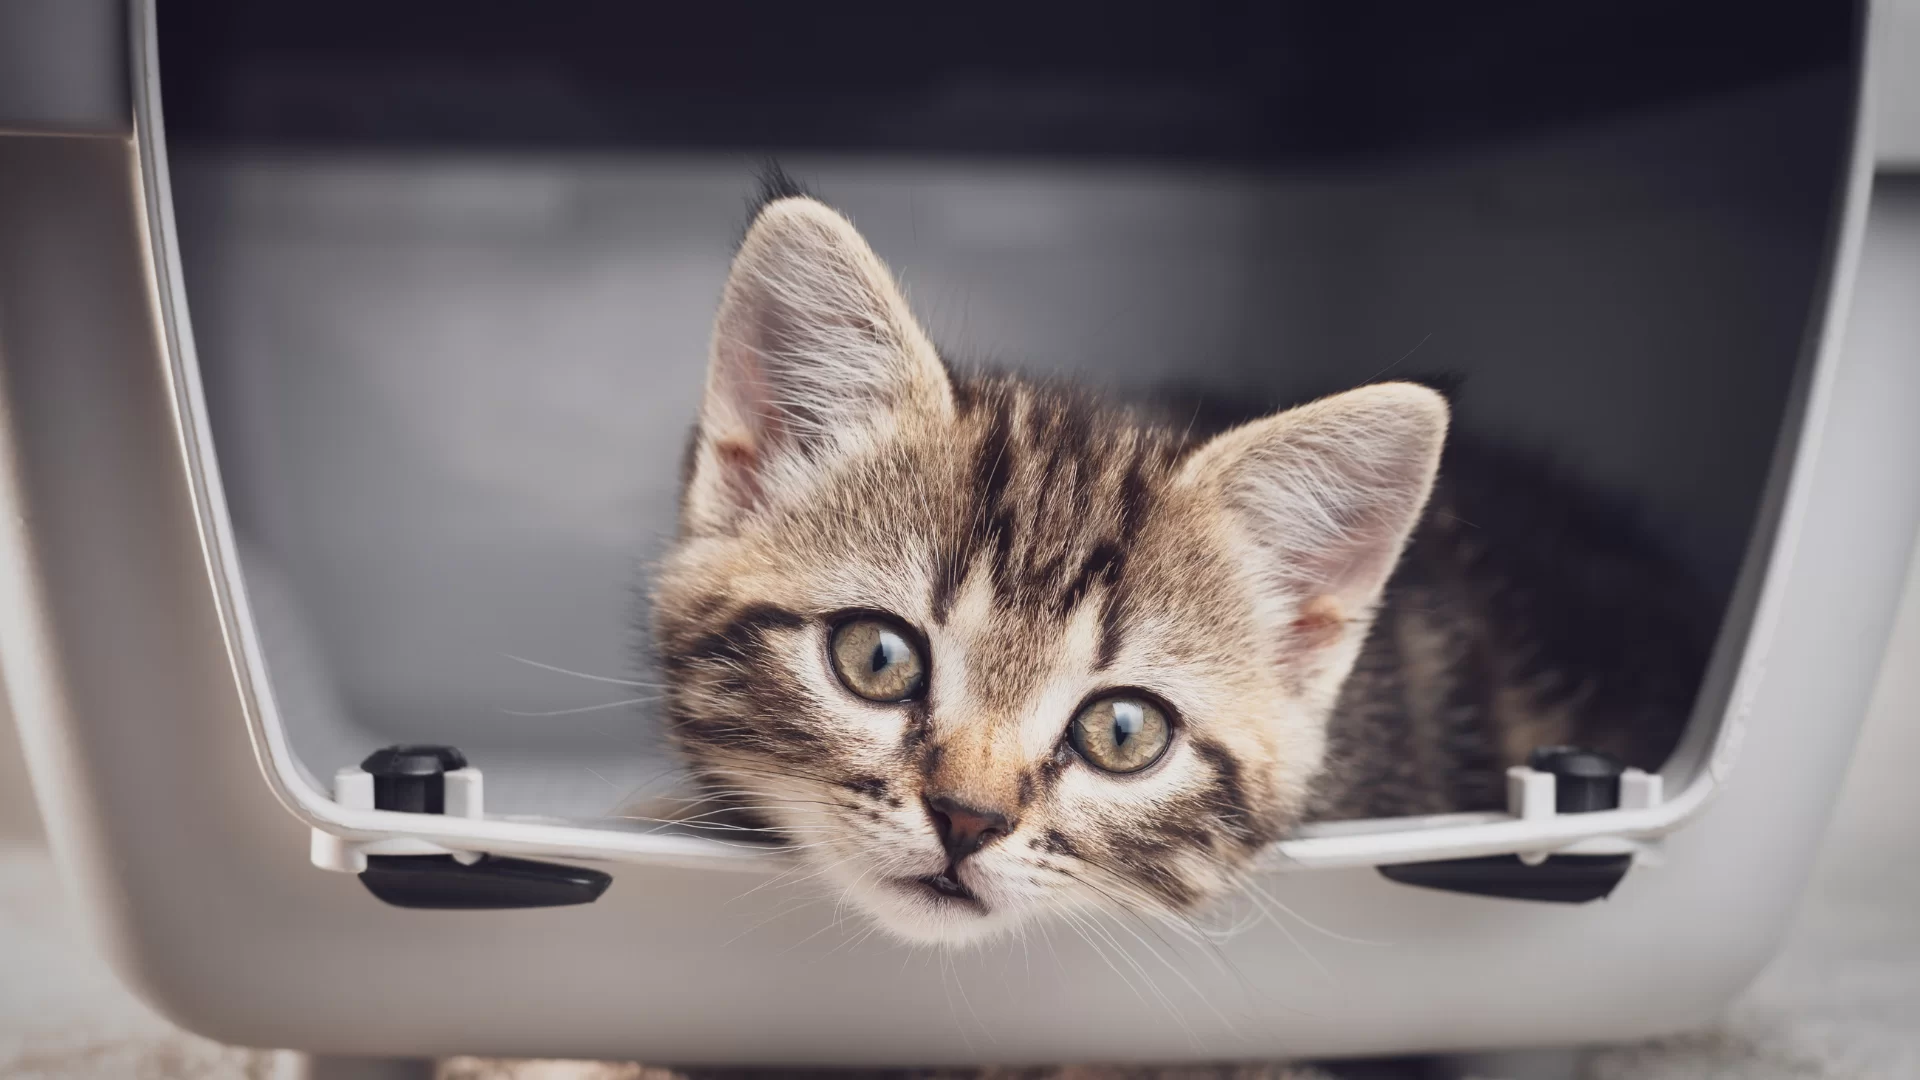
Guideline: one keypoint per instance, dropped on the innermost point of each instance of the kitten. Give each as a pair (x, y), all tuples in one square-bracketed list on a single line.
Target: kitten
[(984, 649)]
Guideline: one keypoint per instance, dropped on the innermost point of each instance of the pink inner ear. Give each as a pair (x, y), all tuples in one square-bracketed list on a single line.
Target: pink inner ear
[(742, 414), (740, 465), (742, 345), (1319, 624), (1354, 566)]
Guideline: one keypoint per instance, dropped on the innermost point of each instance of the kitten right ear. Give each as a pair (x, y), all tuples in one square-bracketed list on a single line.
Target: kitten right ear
[(814, 354), (1323, 498)]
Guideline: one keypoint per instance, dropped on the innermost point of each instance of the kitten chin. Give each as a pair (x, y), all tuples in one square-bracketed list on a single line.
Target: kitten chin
[(915, 914), (985, 650)]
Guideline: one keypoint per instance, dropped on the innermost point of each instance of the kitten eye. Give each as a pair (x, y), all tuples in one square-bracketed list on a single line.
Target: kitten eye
[(876, 660), (1121, 733)]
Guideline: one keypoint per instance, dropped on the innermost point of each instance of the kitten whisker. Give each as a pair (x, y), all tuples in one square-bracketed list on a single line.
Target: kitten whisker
[(947, 989), (1297, 943), (1310, 924), (839, 914), (1176, 921), (1122, 913), (854, 944), (583, 709), (584, 675), (1119, 909), (719, 826), (961, 985), (790, 805), (817, 871), (778, 914), (1079, 926)]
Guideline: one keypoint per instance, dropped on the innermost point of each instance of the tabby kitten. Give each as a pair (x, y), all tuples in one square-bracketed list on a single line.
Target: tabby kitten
[(982, 649)]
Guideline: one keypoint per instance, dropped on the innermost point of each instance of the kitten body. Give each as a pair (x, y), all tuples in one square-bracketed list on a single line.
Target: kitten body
[(1525, 612), (1038, 554)]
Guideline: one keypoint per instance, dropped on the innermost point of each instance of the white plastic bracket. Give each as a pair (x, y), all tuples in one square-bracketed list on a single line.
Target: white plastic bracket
[(353, 789), (1639, 790), (1532, 794)]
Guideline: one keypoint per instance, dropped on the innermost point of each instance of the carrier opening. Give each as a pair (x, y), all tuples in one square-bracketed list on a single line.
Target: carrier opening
[(451, 281)]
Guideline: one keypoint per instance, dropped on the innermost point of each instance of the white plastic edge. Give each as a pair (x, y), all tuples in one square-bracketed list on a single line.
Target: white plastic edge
[(1355, 844)]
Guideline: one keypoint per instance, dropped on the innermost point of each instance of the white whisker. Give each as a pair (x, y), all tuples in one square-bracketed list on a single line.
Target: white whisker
[(1311, 925), (581, 674), (584, 708)]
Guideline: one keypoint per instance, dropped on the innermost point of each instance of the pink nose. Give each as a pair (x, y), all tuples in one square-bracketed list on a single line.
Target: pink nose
[(965, 829)]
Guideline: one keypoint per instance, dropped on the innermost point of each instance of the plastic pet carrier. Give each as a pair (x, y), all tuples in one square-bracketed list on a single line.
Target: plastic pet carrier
[(349, 349)]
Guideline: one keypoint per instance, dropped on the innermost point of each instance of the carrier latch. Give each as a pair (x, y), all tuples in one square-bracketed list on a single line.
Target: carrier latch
[(1555, 780), (413, 873)]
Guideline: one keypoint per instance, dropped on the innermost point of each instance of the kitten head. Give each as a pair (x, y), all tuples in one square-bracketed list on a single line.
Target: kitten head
[(979, 650)]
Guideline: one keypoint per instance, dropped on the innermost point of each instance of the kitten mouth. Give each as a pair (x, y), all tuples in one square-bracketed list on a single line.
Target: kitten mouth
[(946, 885)]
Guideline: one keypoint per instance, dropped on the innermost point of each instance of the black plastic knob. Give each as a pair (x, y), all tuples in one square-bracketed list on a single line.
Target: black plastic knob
[(1584, 780), (491, 884), (412, 779)]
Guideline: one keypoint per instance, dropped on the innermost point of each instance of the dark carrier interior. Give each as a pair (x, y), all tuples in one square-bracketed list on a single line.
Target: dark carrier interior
[(451, 270)]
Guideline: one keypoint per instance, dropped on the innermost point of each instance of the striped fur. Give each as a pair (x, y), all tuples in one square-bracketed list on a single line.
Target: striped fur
[(1045, 548)]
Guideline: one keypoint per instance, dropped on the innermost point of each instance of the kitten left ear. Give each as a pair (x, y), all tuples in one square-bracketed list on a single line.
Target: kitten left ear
[(814, 353), (1323, 498)]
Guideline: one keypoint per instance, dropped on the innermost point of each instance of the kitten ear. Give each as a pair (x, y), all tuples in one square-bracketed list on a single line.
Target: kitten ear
[(1323, 498), (814, 353)]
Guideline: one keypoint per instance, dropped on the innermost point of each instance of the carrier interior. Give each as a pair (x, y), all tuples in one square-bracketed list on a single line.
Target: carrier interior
[(450, 284)]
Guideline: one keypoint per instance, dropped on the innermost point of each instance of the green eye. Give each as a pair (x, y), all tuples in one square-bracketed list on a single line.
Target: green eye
[(876, 659), (1121, 733)]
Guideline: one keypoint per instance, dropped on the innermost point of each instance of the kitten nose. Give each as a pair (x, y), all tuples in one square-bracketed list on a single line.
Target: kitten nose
[(965, 829)]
